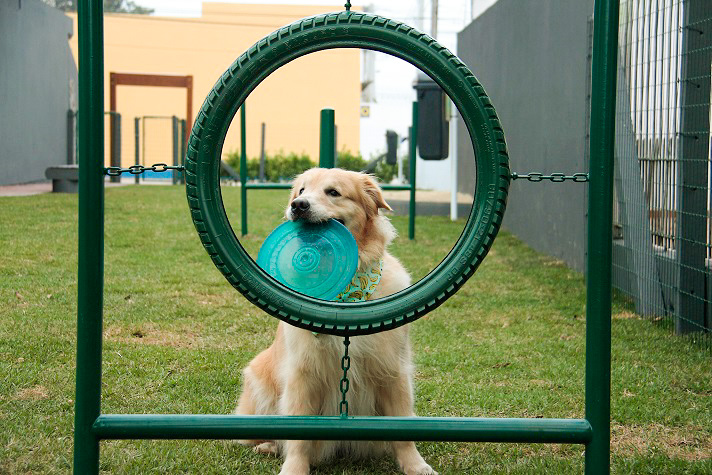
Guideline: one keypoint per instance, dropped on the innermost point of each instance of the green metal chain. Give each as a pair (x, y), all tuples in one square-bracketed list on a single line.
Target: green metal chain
[(139, 169), (555, 177), (348, 5), (345, 365)]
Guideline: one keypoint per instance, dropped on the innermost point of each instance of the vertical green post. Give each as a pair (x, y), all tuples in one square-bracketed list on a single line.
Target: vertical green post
[(91, 236), (176, 148), (327, 139), (137, 148), (183, 144), (600, 235), (243, 168), (412, 159)]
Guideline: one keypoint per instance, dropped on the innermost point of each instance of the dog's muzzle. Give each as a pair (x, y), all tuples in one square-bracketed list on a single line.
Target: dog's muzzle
[(300, 208)]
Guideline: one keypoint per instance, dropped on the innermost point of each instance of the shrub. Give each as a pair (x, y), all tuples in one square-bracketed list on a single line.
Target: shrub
[(282, 167), (349, 161), (278, 167)]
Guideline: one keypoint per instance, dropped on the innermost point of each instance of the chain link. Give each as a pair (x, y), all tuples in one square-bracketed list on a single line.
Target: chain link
[(344, 385), (139, 169), (554, 177)]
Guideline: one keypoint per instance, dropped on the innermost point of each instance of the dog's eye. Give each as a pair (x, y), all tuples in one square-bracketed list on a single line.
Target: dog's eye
[(301, 191), (332, 192)]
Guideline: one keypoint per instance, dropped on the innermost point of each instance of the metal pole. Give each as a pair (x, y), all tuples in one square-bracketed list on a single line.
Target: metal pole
[(176, 145), (183, 145), (243, 168), (91, 236), (263, 155), (413, 158), (600, 235), (137, 146), (326, 139), (434, 19), (71, 138), (114, 160), (453, 164)]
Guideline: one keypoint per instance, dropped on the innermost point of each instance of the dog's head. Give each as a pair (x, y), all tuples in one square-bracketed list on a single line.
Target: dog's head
[(352, 198)]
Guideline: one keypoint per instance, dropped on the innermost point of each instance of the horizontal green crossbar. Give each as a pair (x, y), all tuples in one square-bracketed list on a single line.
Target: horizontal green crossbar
[(268, 186), (288, 186), (395, 187), (451, 429)]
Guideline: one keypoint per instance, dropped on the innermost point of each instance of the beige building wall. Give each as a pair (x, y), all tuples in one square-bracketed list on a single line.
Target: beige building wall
[(288, 102)]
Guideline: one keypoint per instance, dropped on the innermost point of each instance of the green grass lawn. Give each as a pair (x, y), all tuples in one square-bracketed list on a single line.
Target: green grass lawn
[(509, 344)]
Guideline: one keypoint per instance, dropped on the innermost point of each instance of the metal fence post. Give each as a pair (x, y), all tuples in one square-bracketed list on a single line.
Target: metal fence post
[(263, 155), (692, 218), (412, 160), (71, 137), (183, 145), (600, 235), (91, 236), (243, 168), (176, 148), (327, 139), (137, 146)]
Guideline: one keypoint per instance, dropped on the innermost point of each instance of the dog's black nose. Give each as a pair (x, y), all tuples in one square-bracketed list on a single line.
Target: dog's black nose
[(300, 205)]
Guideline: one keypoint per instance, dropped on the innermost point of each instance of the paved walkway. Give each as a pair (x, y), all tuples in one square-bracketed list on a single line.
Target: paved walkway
[(29, 189), (26, 190), (427, 196)]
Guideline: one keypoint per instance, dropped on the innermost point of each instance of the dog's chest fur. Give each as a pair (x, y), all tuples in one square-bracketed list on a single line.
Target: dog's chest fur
[(376, 360)]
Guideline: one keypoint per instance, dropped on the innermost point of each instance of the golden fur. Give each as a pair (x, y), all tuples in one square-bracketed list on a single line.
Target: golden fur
[(299, 373)]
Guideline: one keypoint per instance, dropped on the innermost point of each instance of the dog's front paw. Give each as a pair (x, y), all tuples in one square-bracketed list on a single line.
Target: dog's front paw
[(295, 468), (420, 469), (267, 448)]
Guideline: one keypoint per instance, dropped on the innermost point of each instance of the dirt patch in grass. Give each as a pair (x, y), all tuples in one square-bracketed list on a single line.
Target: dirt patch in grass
[(149, 334), (688, 443), (35, 393), (625, 315)]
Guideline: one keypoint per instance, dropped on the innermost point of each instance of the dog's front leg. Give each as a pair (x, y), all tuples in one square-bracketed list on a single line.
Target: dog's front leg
[(396, 399), (299, 399)]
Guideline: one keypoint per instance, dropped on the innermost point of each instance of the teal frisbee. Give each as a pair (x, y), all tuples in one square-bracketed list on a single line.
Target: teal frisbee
[(315, 259)]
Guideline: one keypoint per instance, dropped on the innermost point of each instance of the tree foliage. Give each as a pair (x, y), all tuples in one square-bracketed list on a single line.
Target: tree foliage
[(110, 6)]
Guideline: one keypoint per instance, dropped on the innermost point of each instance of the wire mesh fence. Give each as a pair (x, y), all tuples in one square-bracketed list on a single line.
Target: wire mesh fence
[(662, 234)]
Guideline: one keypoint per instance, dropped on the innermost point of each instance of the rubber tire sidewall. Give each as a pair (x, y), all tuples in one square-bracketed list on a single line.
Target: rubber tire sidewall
[(346, 30)]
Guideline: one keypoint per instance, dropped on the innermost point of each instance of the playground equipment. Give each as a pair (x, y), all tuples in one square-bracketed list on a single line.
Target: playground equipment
[(178, 143), (345, 29), (327, 159)]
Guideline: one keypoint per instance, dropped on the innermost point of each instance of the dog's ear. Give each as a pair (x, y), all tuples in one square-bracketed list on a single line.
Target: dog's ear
[(373, 191)]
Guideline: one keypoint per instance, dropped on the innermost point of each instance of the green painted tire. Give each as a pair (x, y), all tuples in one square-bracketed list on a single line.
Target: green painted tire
[(346, 30)]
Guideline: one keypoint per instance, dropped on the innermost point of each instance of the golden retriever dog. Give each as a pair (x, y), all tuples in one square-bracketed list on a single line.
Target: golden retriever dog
[(300, 373)]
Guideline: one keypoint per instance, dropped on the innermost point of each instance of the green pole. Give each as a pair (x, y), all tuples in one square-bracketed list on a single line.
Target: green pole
[(412, 159), (137, 149), (91, 236), (243, 168), (600, 235), (176, 148), (182, 151), (327, 139)]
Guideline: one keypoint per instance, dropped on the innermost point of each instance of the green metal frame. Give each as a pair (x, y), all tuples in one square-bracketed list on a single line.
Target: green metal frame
[(327, 159), (91, 426)]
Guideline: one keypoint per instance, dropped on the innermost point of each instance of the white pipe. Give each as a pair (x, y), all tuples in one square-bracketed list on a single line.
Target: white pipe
[(453, 164)]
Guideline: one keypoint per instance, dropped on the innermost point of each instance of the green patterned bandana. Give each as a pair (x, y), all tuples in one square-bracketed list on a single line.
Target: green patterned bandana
[(362, 285)]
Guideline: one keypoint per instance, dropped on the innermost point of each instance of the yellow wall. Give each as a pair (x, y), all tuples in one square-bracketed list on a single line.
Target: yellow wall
[(288, 101)]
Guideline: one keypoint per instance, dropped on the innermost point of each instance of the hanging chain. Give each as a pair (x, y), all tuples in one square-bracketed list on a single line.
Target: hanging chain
[(555, 177), (345, 365), (139, 169), (348, 5)]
